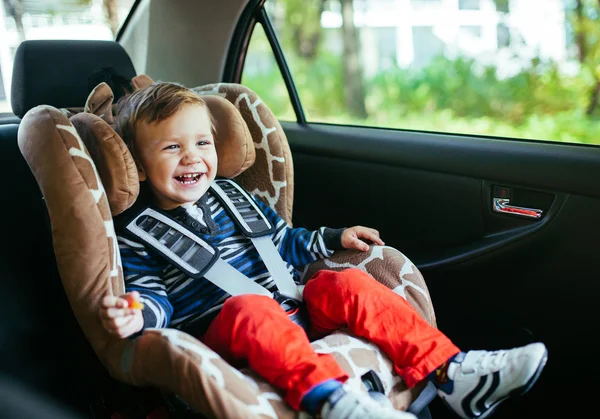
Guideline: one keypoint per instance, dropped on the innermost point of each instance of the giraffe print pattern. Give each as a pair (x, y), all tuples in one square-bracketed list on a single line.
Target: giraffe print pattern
[(271, 177), (190, 365), (97, 190)]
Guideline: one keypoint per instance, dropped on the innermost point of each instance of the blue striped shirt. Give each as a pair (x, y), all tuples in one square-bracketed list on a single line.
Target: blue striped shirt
[(173, 299)]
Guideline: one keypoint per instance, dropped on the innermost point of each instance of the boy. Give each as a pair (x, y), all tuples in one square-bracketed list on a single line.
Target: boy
[(169, 131)]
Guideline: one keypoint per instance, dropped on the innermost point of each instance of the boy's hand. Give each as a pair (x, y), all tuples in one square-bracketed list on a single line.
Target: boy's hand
[(117, 316), (351, 238)]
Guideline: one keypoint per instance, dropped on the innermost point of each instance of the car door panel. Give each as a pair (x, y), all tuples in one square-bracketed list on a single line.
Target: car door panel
[(496, 280), (449, 205)]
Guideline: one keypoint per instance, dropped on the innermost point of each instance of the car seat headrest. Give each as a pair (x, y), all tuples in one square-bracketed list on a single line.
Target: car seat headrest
[(113, 160), (61, 73), (115, 164)]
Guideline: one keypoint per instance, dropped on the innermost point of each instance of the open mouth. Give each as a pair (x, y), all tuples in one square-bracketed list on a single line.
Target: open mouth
[(189, 178)]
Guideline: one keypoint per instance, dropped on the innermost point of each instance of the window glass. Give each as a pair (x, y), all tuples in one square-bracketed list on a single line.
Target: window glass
[(261, 74), (482, 67), (22, 20)]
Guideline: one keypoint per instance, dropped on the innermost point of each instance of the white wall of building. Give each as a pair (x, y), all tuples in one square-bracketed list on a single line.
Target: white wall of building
[(425, 28)]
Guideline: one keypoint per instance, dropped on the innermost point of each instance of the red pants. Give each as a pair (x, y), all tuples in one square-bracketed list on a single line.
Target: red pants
[(255, 329)]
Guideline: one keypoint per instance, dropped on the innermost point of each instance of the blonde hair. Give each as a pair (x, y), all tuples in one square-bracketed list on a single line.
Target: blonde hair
[(152, 104)]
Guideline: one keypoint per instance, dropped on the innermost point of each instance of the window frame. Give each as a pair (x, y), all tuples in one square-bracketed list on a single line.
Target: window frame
[(128, 19), (254, 14)]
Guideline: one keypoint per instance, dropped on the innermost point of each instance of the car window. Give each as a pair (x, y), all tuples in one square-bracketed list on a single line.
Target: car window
[(22, 20), (262, 75), (497, 68)]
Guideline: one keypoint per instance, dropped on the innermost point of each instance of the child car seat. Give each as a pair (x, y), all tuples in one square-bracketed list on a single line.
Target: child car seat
[(87, 175)]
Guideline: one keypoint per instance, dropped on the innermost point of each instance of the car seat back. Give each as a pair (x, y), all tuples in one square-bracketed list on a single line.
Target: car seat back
[(34, 310)]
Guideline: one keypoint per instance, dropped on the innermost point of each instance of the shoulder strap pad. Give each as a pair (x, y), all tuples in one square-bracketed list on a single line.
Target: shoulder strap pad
[(173, 241), (242, 208)]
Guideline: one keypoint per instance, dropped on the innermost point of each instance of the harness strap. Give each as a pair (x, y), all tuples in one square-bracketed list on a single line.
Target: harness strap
[(241, 207), (190, 253), (225, 190), (232, 281), (173, 241), (197, 258), (277, 267)]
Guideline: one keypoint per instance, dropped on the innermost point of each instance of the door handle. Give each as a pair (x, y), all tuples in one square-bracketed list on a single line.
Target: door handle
[(502, 205)]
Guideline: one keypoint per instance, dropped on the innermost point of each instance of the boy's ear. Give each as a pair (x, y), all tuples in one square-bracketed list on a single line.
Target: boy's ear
[(141, 173)]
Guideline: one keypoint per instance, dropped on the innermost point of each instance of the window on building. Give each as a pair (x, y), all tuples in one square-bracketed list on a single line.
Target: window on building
[(469, 4), (427, 46), (387, 48), (470, 31), (425, 4), (503, 35)]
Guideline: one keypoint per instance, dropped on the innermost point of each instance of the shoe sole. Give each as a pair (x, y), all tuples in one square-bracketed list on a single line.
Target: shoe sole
[(517, 392)]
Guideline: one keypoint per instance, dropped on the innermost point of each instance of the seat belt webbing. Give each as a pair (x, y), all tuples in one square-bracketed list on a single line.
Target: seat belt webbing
[(232, 281), (264, 245), (276, 267), (197, 258), (190, 253)]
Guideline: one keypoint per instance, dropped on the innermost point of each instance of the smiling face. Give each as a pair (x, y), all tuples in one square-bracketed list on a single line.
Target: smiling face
[(177, 156)]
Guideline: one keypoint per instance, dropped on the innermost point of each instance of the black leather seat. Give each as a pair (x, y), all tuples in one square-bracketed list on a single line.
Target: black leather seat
[(38, 334), (41, 344)]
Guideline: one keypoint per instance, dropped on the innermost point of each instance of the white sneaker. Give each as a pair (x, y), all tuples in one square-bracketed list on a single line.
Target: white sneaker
[(484, 379), (344, 404)]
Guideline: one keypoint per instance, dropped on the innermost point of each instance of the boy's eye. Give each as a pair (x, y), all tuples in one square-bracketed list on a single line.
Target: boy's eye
[(202, 142), (171, 147)]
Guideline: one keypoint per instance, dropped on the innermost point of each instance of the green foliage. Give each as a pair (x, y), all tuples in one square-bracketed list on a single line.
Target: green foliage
[(322, 85), (472, 91), (302, 22), (583, 18)]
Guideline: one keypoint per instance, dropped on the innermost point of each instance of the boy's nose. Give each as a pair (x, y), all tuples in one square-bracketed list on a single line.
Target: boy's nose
[(192, 156)]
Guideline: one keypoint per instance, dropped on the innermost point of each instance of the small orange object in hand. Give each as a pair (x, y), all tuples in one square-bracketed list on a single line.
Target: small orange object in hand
[(133, 303)]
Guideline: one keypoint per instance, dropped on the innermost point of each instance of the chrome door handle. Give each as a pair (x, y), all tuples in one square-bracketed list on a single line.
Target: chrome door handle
[(502, 206)]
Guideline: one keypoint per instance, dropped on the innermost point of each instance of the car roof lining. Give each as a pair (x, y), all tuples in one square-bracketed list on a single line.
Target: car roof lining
[(188, 43)]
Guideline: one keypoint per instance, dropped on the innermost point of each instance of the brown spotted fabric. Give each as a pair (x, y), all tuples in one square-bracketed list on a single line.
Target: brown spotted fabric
[(100, 102), (83, 235), (271, 178), (115, 164), (388, 266)]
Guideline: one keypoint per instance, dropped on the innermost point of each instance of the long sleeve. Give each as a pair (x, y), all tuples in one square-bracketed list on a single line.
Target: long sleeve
[(299, 246), (144, 273)]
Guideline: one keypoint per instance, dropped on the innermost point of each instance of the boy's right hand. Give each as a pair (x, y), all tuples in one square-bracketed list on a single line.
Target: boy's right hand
[(117, 318)]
